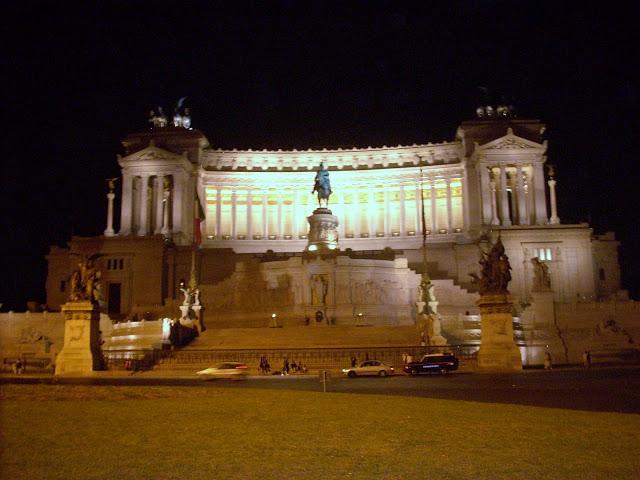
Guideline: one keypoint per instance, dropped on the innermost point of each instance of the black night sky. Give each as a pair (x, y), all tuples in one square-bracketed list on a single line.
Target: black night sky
[(299, 74)]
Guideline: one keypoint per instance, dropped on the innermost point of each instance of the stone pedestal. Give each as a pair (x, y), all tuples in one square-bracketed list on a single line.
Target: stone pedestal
[(543, 308), (197, 310), (498, 351), (81, 353), (323, 231)]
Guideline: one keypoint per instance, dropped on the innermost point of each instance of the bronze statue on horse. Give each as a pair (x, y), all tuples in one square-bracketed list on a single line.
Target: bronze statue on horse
[(322, 186)]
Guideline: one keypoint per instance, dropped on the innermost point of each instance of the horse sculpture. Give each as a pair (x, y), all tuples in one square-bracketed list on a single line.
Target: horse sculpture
[(322, 186)]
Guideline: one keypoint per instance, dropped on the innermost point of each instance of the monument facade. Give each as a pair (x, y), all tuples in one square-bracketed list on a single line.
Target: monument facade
[(260, 219)]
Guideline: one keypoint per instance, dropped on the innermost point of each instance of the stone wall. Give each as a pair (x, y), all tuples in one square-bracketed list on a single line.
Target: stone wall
[(36, 336), (607, 329)]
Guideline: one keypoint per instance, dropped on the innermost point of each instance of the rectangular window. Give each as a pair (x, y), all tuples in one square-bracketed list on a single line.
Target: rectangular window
[(543, 254), (63, 285)]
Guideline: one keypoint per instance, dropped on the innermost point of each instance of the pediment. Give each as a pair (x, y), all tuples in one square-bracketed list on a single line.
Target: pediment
[(152, 155), (511, 143)]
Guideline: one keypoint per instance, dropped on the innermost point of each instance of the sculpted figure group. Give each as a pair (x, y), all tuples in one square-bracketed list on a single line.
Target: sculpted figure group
[(181, 116), (85, 282), (495, 272)]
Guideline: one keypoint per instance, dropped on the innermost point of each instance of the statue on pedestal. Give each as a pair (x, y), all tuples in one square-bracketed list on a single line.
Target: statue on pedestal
[(84, 284), (322, 185), (496, 271), (187, 296), (320, 288), (111, 183), (541, 278), (498, 350)]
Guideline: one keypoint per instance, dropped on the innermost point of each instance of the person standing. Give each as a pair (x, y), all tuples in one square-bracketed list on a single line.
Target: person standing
[(586, 359), (547, 361)]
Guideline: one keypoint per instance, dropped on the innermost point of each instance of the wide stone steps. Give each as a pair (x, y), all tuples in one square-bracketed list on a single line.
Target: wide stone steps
[(319, 348), (305, 337)]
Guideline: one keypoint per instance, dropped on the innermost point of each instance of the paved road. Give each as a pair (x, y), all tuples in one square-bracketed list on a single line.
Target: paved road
[(615, 390), (598, 389)]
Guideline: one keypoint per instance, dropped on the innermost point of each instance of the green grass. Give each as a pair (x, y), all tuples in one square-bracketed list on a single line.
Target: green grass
[(75, 432)]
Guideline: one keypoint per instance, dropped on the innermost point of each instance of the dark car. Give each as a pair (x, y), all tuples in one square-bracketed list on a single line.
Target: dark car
[(433, 363)]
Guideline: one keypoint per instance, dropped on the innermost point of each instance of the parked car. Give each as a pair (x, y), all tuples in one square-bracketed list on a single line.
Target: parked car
[(225, 370), (369, 367), (434, 362)]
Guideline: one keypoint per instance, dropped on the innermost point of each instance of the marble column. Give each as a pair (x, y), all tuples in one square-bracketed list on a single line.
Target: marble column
[(387, 214), (265, 217), (434, 210), (465, 199), (126, 206), (419, 206), (504, 198), (539, 194), (109, 230), (554, 220), (295, 217), (143, 228), (449, 207), (249, 215), (280, 232), (494, 203), (403, 213), (487, 192), (357, 226), (177, 201), (166, 194), (159, 196), (372, 210), (522, 200), (234, 228), (218, 214)]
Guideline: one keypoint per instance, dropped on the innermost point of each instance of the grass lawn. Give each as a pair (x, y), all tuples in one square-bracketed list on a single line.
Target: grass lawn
[(81, 432)]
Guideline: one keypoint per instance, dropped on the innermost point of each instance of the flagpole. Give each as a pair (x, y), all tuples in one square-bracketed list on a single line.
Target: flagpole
[(425, 272), (194, 245)]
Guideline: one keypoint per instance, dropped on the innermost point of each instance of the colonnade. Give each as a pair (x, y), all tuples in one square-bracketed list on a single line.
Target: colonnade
[(367, 211), (151, 204), (513, 194)]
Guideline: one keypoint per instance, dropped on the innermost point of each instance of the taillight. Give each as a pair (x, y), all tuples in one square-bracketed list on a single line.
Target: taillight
[(242, 367)]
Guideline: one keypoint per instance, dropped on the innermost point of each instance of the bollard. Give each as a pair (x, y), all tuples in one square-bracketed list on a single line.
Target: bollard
[(323, 379)]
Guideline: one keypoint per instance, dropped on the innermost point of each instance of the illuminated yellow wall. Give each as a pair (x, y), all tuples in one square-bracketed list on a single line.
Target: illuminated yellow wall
[(380, 210)]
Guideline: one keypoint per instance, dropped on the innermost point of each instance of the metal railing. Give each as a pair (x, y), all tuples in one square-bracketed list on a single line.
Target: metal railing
[(330, 358)]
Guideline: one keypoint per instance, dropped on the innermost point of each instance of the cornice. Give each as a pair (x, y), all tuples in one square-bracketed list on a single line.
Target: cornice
[(337, 159)]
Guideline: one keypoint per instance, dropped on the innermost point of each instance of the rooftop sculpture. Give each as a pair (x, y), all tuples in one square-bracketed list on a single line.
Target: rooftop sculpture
[(181, 116)]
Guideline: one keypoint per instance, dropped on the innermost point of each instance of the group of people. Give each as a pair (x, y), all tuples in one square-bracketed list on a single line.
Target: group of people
[(288, 367), (18, 367), (265, 368), (292, 367)]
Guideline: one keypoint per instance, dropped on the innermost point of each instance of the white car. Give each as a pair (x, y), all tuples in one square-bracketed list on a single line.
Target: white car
[(225, 370), (369, 367)]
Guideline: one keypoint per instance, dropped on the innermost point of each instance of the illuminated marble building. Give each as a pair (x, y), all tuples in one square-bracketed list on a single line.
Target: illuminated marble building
[(489, 179)]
